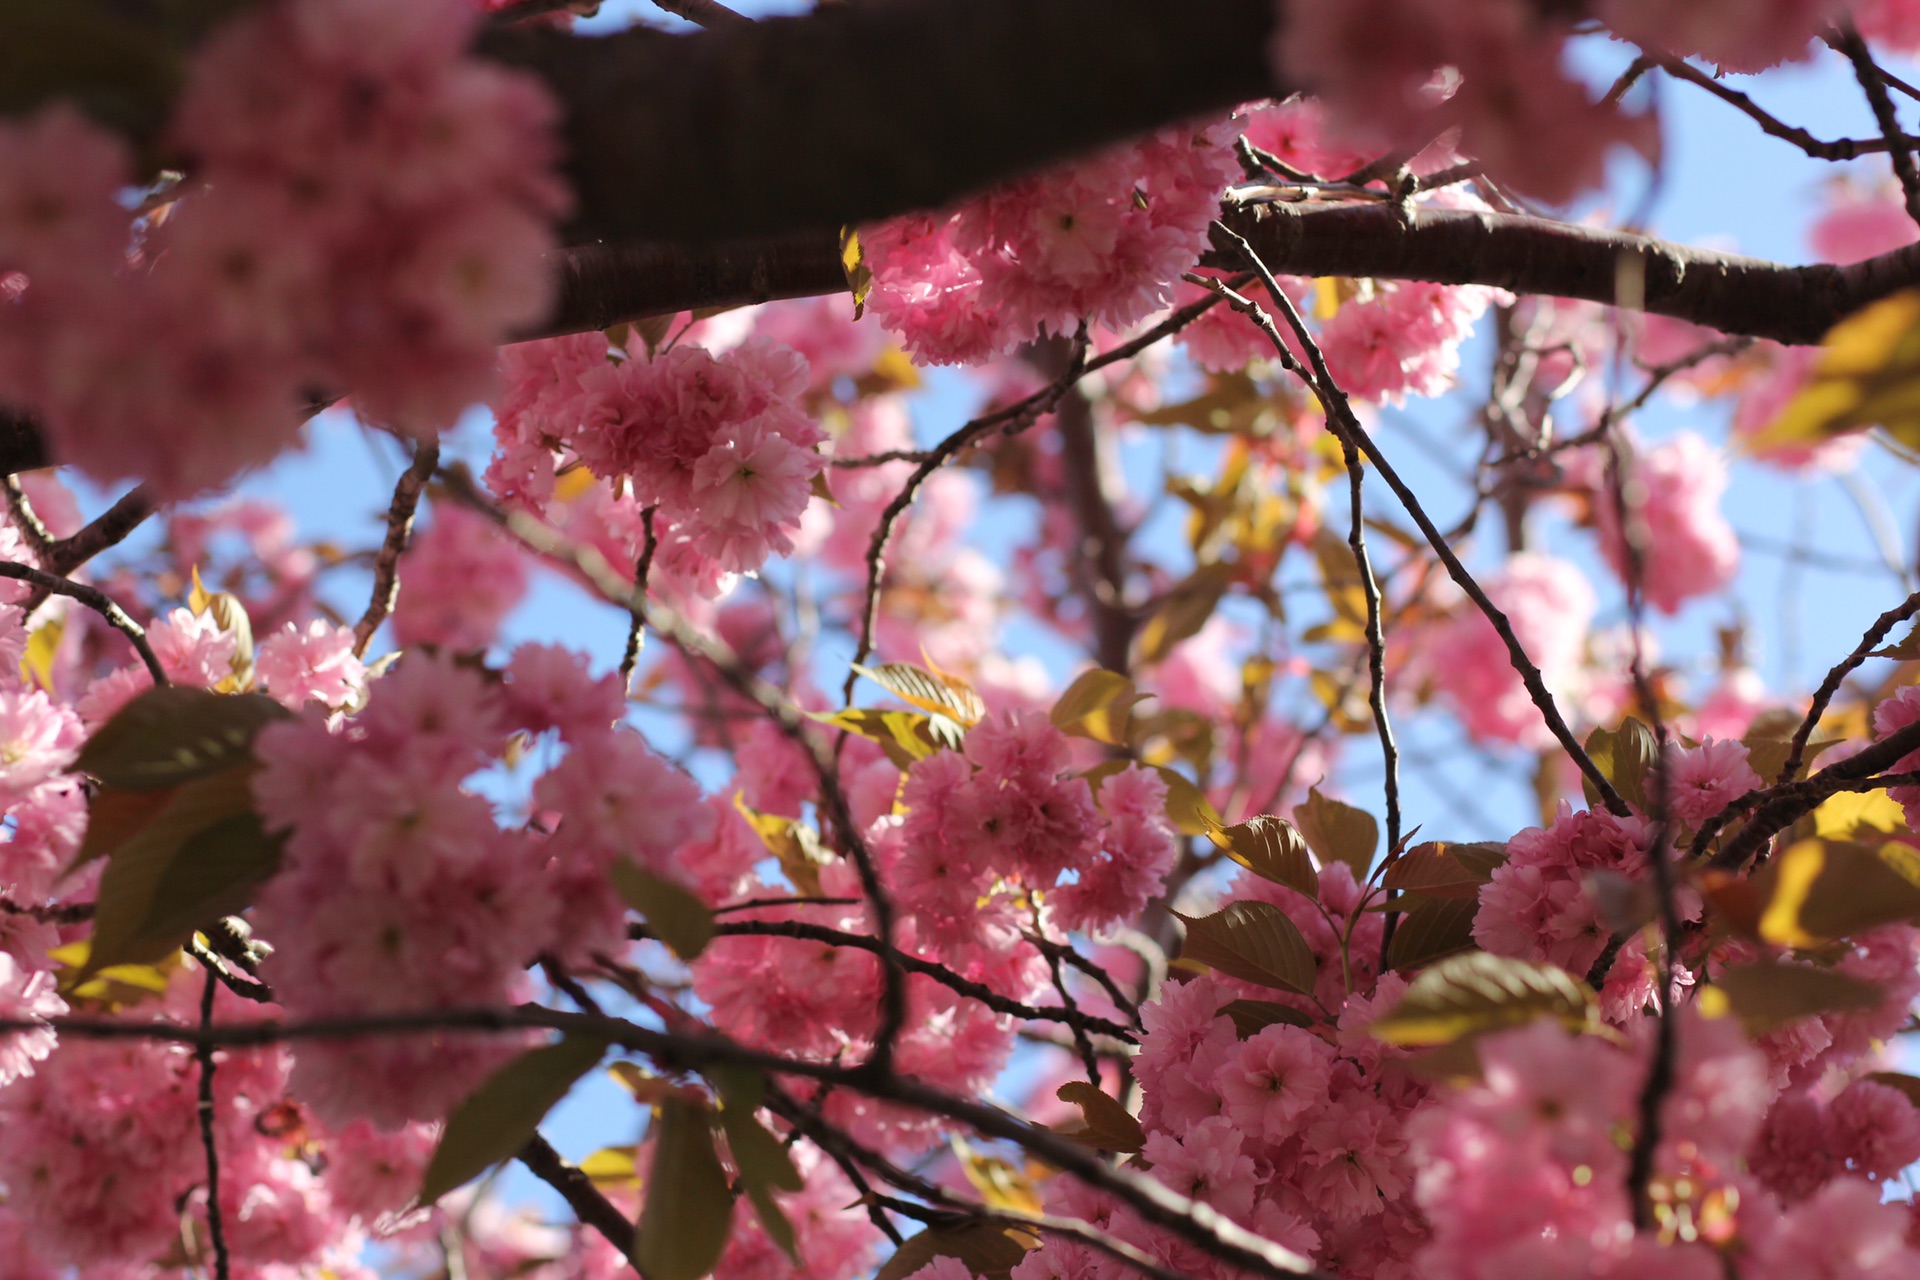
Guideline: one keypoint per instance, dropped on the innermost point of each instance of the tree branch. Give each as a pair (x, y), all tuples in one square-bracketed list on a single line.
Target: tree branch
[(588, 1204), (1194, 1221), (854, 113), (1529, 255)]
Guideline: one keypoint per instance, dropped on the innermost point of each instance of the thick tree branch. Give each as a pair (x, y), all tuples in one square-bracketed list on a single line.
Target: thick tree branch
[(860, 112), (1530, 255), (1750, 297)]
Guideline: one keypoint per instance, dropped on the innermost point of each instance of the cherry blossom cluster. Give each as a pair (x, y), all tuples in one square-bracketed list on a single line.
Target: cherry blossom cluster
[(401, 890), (378, 232), (103, 1162), (1101, 241), (715, 447)]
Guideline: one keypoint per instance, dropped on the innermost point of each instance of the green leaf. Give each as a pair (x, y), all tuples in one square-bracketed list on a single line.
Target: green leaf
[(505, 1112), (934, 692), (1626, 756), (689, 1209), (1438, 870), (1105, 1124), (675, 915), (1250, 1017), (1473, 992), (175, 734), (1254, 942), (1272, 849), (196, 858), (1097, 705), (760, 1157), (115, 816), (1767, 994), (1431, 930), (1338, 832), (988, 1251)]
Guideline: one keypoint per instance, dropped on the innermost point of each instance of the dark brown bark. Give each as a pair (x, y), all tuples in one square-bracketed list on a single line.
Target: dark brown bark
[(1724, 291), (856, 113)]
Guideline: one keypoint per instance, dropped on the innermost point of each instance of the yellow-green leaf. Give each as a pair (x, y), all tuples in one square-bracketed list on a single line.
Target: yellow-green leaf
[(689, 1208), (1819, 890), (792, 841), (175, 734), (988, 1251), (936, 693), (1254, 942), (611, 1167), (1272, 849), (506, 1111), (1430, 931), (675, 915), (1098, 705), (1626, 756), (43, 645), (853, 264), (1105, 1125), (1338, 832), (1868, 374), (1475, 992), (905, 736), (1858, 815), (1767, 994)]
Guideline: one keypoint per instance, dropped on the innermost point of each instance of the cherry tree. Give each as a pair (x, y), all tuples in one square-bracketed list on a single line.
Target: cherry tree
[(1001, 825)]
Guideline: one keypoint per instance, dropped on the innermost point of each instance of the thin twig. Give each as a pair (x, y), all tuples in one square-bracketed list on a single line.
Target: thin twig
[(1838, 150), (678, 632), (1339, 407), (642, 571), (386, 569), (1082, 1042), (1822, 696), (216, 1228), (754, 904), (33, 531), (96, 600), (1074, 959), (1009, 421), (1158, 1205), (1899, 146), (589, 1205), (108, 529), (48, 913), (239, 983), (1789, 804), (804, 931), (1660, 1071)]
